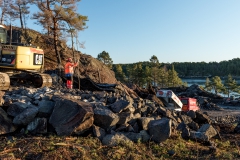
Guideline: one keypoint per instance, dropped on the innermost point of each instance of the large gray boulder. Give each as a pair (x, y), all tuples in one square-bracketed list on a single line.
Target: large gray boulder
[(25, 117), (98, 132), (124, 117), (105, 118), (205, 133), (45, 108), (6, 123), (16, 108), (38, 125), (120, 105), (202, 118), (144, 121), (71, 117), (160, 130)]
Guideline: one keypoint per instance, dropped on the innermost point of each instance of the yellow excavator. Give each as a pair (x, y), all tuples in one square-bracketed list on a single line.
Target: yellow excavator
[(21, 64)]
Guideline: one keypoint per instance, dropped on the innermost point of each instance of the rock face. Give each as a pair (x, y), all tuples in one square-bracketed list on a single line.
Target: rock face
[(95, 70)]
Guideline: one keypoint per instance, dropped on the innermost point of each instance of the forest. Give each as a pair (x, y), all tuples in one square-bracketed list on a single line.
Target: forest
[(197, 69), (220, 77), (203, 69)]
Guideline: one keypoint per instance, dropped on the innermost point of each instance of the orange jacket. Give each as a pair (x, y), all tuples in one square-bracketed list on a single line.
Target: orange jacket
[(69, 67)]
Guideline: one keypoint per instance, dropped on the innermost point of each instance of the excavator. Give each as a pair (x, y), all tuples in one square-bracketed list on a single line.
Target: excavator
[(20, 64)]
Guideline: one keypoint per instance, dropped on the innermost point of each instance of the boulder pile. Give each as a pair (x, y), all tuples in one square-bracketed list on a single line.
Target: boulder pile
[(111, 116)]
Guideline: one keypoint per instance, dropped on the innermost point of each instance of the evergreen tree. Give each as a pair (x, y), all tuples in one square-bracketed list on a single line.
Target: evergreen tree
[(119, 73), (105, 58), (20, 9), (163, 77), (173, 79), (57, 16), (138, 74), (230, 84), (147, 76), (154, 68), (216, 84), (208, 86), (130, 73), (134, 75), (5, 11)]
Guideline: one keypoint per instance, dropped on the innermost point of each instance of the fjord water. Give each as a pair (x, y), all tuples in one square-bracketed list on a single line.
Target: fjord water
[(201, 82)]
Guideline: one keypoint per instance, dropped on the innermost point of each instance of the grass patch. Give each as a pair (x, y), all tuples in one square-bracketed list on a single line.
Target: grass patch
[(55, 147)]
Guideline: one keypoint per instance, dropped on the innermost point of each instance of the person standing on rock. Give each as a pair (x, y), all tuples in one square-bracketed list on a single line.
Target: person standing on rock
[(69, 70)]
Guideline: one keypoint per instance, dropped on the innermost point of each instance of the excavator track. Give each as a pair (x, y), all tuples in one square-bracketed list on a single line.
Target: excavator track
[(4, 81), (42, 80), (27, 79)]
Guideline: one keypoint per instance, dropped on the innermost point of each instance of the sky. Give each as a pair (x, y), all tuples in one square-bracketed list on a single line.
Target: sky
[(173, 30)]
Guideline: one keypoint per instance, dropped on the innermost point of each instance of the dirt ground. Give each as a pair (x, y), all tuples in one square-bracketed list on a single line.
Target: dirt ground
[(227, 111)]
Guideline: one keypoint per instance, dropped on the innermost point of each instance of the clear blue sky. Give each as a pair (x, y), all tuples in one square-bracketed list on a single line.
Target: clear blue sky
[(173, 30)]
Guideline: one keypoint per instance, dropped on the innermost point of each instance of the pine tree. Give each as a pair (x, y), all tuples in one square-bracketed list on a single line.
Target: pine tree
[(5, 11), (59, 16), (147, 75), (163, 77), (173, 79), (137, 74), (119, 73), (154, 69), (105, 58), (208, 86), (230, 84), (216, 84), (20, 9)]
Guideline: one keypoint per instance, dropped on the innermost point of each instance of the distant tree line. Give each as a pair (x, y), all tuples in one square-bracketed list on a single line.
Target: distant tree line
[(191, 69), (168, 75), (203, 69), (143, 73)]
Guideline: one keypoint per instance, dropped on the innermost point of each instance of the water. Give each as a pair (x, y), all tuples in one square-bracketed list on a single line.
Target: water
[(201, 82)]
